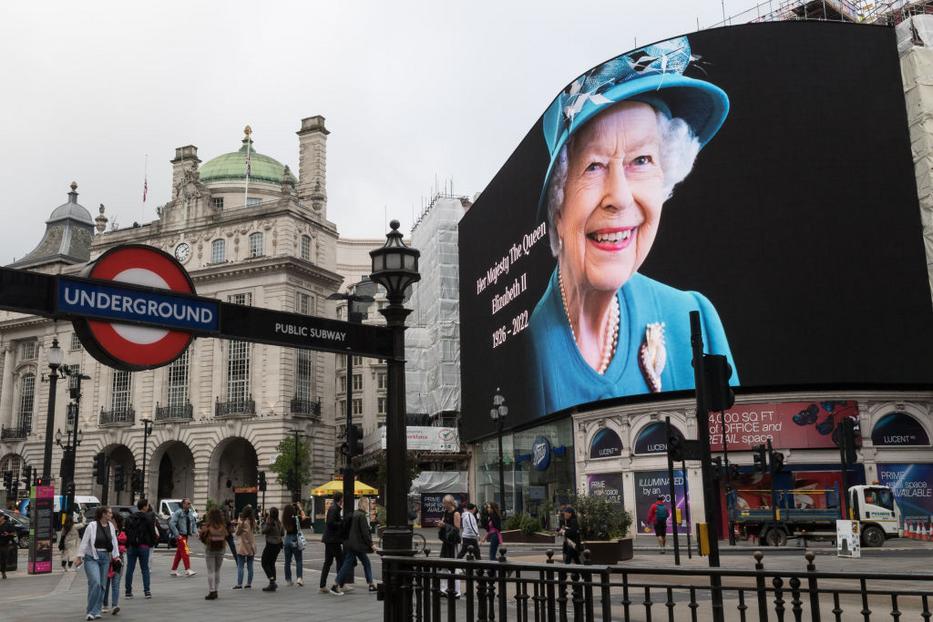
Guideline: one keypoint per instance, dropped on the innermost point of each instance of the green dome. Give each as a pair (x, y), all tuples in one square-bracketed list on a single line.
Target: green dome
[(232, 167)]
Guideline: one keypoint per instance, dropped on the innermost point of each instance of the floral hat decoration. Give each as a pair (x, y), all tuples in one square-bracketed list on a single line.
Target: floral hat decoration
[(653, 75)]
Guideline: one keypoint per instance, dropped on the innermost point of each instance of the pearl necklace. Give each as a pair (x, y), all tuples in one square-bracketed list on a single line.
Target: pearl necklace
[(611, 339)]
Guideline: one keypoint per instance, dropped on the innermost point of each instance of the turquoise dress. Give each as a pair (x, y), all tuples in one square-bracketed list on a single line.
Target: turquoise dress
[(565, 379)]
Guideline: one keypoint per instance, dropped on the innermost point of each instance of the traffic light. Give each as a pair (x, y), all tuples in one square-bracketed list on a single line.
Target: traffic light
[(8, 480), (761, 458), (716, 467), (100, 469), (262, 481), (137, 480), (27, 475), (119, 482), (675, 447), (777, 462), (719, 395), (733, 472), (355, 439), (850, 439)]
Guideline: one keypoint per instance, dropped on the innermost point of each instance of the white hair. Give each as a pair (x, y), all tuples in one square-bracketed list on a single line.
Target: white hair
[(679, 149)]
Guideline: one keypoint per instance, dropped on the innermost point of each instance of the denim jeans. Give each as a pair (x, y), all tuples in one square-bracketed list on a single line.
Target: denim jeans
[(96, 571), (493, 546), (347, 567), (244, 560), (111, 594), (134, 554), (290, 544)]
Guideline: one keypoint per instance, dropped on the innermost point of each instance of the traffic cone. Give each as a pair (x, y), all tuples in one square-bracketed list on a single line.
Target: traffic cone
[(908, 529), (929, 532)]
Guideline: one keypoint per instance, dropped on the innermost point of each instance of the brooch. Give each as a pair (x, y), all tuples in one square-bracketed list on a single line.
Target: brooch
[(652, 355)]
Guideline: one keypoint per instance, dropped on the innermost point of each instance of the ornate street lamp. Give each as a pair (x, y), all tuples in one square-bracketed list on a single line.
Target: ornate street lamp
[(395, 267), (56, 356), (498, 413), (147, 430)]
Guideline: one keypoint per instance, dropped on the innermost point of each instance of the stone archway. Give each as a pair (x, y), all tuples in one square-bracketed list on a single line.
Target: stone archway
[(118, 456), (234, 463), (170, 473)]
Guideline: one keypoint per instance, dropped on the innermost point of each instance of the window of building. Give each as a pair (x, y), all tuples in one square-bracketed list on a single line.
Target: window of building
[(120, 391), (75, 342), (27, 400), (30, 350), (253, 202), (74, 371), (357, 360), (218, 251), (381, 380), (304, 373), (255, 244), (178, 380), (358, 406), (218, 202), (340, 361), (306, 247), (304, 303), (342, 383), (357, 382), (341, 407), (381, 406), (238, 358)]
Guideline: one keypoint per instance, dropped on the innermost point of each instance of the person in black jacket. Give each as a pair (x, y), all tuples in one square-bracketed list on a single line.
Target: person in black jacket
[(333, 539), (7, 540), (571, 533), (358, 545), (141, 536)]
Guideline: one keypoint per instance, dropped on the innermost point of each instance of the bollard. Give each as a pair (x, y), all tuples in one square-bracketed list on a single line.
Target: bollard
[(760, 587), (812, 587)]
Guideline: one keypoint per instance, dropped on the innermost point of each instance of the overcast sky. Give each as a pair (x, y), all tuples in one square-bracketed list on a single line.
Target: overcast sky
[(412, 91)]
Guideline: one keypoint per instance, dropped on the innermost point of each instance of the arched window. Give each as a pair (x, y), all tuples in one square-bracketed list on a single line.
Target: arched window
[(27, 401), (898, 429), (255, 244), (605, 444), (218, 251), (652, 439), (306, 247)]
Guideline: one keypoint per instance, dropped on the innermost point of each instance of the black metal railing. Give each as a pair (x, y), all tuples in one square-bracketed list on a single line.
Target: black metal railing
[(117, 416), (235, 408), (549, 592), (305, 408), (12, 434), (176, 412)]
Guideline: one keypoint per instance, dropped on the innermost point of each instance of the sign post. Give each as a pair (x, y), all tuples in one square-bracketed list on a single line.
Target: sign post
[(41, 534)]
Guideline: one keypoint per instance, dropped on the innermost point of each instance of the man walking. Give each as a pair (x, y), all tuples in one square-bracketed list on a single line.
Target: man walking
[(469, 532), (658, 514), (141, 536), (7, 539), (183, 525), (332, 539)]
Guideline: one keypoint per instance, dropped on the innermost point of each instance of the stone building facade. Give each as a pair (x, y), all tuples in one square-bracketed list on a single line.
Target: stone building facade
[(220, 411)]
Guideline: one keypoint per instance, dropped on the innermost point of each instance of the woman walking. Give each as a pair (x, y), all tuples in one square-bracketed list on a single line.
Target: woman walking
[(572, 539), (292, 545), (272, 530), (493, 528), (213, 533), (245, 547), (98, 547), (69, 542), (358, 545), (449, 534), (112, 588)]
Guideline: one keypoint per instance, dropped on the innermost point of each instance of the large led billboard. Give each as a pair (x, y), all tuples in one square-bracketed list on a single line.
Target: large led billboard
[(759, 174)]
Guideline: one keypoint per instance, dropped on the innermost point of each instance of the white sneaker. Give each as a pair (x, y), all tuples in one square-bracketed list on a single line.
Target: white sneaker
[(348, 588), (300, 582), (174, 573), (190, 573), (289, 583), (104, 609)]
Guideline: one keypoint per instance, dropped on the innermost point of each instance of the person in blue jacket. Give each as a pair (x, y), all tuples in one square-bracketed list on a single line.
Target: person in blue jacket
[(620, 138)]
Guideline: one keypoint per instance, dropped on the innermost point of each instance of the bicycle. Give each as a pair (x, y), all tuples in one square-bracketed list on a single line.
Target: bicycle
[(418, 541)]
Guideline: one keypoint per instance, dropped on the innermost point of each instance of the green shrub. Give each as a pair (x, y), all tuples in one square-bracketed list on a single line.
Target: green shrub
[(526, 523), (600, 519)]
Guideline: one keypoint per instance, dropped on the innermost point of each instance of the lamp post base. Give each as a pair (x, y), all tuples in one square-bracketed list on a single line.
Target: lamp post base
[(397, 541)]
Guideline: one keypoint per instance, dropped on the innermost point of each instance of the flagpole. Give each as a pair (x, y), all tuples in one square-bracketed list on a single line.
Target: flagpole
[(145, 187), (248, 131)]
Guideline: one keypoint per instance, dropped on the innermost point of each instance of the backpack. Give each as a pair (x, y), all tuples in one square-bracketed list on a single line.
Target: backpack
[(133, 529), (661, 513)]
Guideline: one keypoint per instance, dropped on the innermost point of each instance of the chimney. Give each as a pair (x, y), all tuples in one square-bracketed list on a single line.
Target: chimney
[(186, 158), (312, 163)]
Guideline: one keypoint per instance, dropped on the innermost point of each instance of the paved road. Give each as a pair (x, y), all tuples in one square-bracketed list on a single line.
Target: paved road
[(61, 596)]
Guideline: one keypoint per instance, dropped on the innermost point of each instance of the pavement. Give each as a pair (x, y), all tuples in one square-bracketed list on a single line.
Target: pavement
[(61, 596)]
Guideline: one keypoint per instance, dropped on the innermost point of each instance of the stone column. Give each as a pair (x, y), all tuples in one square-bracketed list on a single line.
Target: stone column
[(6, 389)]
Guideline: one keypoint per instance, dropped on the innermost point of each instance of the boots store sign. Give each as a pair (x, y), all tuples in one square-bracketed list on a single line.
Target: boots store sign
[(135, 308)]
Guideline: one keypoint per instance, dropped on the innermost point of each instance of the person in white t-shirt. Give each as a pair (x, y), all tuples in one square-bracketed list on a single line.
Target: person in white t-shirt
[(469, 532)]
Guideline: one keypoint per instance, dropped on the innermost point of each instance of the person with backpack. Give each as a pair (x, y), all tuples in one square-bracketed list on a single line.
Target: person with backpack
[(358, 545), (658, 514), (332, 539), (213, 534), (245, 547), (68, 543), (141, 537)]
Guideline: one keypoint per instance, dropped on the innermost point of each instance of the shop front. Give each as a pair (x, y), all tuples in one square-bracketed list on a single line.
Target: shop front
[(538, 469)]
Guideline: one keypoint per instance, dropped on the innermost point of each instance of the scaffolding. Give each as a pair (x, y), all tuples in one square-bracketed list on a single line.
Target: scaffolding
[(882, 12)]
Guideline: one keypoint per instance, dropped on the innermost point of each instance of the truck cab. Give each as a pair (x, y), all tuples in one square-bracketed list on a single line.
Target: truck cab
[(874, 507)]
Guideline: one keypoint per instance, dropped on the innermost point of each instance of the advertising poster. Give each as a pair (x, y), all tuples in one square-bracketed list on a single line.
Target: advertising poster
[(605, 444), (651, 484), (41, 534), (788, 425), (913, 492), (848, 539), (582, 259), (606, 485), (652, 439), (432, 506), (899, 429)]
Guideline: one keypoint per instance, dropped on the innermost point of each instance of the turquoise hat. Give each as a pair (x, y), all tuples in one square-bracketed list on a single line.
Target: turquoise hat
[(652, 74)]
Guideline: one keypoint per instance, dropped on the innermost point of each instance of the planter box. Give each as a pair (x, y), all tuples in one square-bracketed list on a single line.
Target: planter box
[(534, 538), (609, 552)]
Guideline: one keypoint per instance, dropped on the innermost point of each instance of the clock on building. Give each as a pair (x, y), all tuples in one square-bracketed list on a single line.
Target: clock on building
[(183, 252)]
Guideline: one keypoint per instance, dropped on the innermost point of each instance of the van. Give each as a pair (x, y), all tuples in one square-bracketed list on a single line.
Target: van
[(167, 507)]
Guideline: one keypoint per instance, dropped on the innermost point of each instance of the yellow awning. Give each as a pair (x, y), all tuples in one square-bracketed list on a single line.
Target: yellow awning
[(336, 485)]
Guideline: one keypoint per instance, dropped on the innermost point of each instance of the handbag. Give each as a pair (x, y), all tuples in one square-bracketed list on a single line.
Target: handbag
[(300, 541)]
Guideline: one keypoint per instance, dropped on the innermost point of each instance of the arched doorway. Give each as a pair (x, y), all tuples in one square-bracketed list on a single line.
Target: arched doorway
[(171, 472), (120, 464), (234, 463)]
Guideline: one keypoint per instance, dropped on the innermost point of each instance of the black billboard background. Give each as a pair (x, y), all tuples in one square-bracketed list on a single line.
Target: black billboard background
[(799, 222)]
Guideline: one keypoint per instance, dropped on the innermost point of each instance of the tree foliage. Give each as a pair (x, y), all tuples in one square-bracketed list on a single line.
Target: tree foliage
[(292, 456), (382, 471), (600, 519)]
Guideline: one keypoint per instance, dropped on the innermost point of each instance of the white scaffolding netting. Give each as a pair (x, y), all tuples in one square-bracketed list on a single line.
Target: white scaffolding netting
[(432, 342)]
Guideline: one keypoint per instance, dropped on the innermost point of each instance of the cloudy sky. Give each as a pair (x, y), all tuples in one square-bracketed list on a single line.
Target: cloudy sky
[(412, 92)]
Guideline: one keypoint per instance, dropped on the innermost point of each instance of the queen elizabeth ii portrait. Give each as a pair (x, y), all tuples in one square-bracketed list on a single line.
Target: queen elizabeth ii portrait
[(620, 138)]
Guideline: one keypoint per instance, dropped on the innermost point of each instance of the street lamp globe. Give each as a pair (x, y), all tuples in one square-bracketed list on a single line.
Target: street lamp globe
[(56, 356), (395, 265)]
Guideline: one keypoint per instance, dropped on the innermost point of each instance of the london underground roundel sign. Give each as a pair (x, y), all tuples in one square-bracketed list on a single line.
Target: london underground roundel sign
[(127, 346)]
